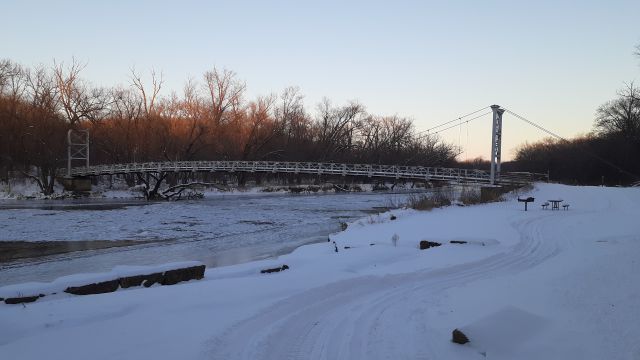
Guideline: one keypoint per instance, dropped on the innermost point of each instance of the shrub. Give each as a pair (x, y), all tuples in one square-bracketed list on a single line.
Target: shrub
[(438, 198)]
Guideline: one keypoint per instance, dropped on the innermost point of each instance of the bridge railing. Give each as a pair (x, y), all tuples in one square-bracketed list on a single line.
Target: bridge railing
[(367, 170)]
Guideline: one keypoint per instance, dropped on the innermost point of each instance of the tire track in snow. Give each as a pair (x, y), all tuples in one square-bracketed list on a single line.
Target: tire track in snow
[(358, 318)]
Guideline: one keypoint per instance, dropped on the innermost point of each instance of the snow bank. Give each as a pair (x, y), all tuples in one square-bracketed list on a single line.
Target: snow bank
[(62, 283), (21, 189)]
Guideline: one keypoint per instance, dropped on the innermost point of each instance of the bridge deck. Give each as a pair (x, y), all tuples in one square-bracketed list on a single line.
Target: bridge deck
[(381, 171)]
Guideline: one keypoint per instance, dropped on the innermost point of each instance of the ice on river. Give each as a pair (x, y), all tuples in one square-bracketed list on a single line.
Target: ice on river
[(218, 231)]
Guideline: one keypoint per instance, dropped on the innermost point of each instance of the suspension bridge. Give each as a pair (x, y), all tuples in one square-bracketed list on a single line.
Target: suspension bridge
[(78, 149)]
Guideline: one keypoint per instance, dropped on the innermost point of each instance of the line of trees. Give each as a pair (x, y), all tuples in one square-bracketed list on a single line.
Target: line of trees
[(211, 120), (610, 154)]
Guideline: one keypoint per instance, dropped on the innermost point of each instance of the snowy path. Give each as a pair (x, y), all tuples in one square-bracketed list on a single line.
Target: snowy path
[(351, 319)]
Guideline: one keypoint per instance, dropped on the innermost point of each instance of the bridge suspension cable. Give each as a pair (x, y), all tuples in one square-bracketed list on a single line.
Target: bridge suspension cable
[(539, 127), (460, 123), (422, 134), (459, 118)]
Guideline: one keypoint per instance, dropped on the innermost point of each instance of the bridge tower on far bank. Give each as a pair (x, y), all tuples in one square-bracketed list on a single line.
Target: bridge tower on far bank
[(77, 147), (77, 150), (496, 142)]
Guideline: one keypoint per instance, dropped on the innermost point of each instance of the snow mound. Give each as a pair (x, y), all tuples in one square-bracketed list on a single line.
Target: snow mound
[(505, 332)]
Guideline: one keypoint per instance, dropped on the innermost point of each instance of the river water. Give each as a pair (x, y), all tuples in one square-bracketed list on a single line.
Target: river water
[(218, 231)]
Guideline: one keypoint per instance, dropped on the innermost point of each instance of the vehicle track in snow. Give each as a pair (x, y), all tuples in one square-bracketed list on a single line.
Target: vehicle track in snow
[(373, 317)]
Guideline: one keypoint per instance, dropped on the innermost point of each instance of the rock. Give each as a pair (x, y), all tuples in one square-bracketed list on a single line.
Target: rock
[(152, 279), (347, 247), (393, 217), (457, 242), (21, 300), (459, 337), (424, 244), (343, 226), (272, 270), (175, 276), (96, 288)]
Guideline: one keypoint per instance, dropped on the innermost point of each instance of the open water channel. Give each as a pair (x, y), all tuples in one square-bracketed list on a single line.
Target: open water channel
[(95, 235)]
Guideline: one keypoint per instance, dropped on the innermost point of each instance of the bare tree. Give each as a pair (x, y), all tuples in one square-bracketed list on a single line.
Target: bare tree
[(225, 93), (148, 97), (291, 110), (261, 128), (622, 115), (336, 127), (79, 101), (43, 136), (9, 76), (193, 117)]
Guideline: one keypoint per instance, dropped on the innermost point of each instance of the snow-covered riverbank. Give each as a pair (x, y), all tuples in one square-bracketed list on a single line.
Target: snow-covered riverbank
[(540, 284), (26, 189)]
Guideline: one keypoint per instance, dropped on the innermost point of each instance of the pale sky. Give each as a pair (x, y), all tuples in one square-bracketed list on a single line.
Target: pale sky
[(553, 62)]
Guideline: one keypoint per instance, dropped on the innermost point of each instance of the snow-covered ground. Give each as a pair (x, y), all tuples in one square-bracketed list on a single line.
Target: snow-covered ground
[(526, 285)]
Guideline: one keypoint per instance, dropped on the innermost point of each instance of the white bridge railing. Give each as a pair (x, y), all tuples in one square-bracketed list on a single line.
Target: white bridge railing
[(383, 171)]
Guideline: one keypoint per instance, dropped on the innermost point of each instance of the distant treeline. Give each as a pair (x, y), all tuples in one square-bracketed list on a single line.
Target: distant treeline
[(210, 120), (609, 155), (213, 120)]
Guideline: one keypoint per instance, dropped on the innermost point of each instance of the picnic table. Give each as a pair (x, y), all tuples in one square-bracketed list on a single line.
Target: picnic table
[(555, 204)]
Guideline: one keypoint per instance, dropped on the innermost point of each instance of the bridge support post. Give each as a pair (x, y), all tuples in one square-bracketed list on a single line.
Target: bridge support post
[(496, 142), (77, 147)]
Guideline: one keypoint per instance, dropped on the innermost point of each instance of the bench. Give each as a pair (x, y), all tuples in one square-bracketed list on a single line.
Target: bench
[(565, 206), (545, 206)]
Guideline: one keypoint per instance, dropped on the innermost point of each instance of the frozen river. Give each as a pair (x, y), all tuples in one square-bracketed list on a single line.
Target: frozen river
[(218, 231)]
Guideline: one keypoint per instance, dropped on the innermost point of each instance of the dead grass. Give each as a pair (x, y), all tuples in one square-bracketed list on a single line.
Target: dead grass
[(445, 196), (470, 196), (438, 198)]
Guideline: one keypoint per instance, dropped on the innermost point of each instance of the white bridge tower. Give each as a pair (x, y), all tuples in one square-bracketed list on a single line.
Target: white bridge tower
[(496, 142)]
